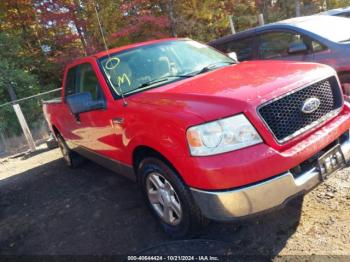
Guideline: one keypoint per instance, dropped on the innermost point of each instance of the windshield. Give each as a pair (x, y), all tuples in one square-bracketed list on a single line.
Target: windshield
[(335, 29), (154, 65)]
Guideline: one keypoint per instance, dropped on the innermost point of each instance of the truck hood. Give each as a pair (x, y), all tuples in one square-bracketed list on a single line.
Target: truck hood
[(233, 89)]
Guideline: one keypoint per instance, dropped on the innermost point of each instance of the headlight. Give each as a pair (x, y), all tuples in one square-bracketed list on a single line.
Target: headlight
[(222, 136)]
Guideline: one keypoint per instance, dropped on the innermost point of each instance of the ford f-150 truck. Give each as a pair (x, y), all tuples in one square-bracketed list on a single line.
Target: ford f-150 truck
[(205, 137)]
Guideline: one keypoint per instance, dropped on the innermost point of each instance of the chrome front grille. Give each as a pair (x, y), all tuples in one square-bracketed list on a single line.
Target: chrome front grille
[(285, 118)]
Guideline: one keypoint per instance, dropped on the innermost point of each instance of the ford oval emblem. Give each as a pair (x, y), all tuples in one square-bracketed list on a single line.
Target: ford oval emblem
[(311, 105)]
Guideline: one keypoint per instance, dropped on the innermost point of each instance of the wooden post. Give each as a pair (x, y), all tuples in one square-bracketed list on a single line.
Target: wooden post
[(3, 142), (297, 8), (232, 25), (261, 19), (22, 120), (24, 126), (172, 18)]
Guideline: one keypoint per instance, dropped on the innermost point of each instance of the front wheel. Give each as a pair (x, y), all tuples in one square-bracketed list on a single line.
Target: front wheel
[(169, 199)]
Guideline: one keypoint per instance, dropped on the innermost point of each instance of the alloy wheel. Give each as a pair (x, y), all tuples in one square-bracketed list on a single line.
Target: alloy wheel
[(164, 198)]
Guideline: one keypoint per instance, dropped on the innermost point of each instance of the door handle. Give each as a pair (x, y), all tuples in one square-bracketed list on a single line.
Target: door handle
[(77, 118), (118, 120)]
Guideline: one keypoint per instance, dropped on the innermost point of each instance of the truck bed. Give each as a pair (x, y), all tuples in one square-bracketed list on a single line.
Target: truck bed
[(57, 100)]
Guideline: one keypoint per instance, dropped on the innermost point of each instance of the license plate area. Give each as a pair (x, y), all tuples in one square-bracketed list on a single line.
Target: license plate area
[(331, 161)]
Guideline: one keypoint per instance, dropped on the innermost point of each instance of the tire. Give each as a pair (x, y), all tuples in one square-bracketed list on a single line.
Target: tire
[(71, 158), (169, 199)]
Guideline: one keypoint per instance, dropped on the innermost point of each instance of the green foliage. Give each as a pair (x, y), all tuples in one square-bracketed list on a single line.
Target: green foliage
[(337, 3), (14, 71)]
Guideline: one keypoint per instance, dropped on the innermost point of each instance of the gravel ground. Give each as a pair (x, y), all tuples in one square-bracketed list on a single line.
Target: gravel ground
[(47, 208)]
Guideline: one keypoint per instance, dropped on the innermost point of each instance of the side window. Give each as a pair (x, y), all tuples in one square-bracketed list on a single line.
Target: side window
[(347, 15), (244, 48), (220, 47), (88, 82), (70, 82), (317, 46), (276, 44)]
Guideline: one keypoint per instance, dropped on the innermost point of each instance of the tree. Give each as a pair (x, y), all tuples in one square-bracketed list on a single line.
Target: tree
[(21, 80), (63, 30), (19, 20), (142, 20)]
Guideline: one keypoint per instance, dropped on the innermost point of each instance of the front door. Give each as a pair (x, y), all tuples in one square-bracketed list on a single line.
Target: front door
[(274, 45), (82, 130), (102, 130), (72, 128)]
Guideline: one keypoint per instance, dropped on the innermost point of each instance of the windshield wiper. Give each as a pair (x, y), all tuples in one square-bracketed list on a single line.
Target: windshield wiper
[(163, 79), (211, 66), (192, 74)]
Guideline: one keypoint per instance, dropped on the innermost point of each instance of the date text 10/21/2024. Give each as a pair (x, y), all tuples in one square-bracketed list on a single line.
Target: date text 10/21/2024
[(173, 258)]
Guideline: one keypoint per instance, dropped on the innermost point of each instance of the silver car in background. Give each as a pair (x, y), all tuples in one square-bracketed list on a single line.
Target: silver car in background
[(317, 38), (344, 12)]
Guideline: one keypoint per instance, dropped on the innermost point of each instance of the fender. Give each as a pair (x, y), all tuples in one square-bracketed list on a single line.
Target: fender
[(165, 146)]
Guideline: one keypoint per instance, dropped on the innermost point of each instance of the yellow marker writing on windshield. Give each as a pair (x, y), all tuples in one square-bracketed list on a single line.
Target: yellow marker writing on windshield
[(122, 79), (109, 65)]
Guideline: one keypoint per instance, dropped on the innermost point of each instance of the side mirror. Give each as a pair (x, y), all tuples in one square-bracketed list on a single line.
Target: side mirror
[(82, 102), (233, 56), (297, 48)]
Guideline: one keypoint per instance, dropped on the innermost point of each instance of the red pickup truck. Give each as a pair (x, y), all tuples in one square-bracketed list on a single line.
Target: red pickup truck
[(205, 137)]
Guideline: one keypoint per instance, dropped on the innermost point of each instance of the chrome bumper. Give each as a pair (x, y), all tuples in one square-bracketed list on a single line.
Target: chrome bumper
[(230, 205)]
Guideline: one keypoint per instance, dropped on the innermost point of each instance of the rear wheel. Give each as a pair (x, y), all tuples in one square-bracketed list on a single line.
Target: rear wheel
[(169, 199), (71, 158)]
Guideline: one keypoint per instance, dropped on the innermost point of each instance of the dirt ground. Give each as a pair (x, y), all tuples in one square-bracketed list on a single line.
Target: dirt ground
[(47, 208)]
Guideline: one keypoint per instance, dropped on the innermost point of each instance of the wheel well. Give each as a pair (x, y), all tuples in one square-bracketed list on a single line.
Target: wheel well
[(142, 152), (55, 130)]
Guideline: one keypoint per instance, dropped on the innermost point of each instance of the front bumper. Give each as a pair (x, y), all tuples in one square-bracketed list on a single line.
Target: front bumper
[(249, 200)]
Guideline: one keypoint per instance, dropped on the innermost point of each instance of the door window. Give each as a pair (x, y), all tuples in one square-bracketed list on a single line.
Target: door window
[(70, 82), (82, 79), (88, 82), (244, 48), (347, 15), (317, 46), (276, 44)]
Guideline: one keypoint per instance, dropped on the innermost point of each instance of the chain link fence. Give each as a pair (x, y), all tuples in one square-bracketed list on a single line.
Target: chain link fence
[(12, 138)]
